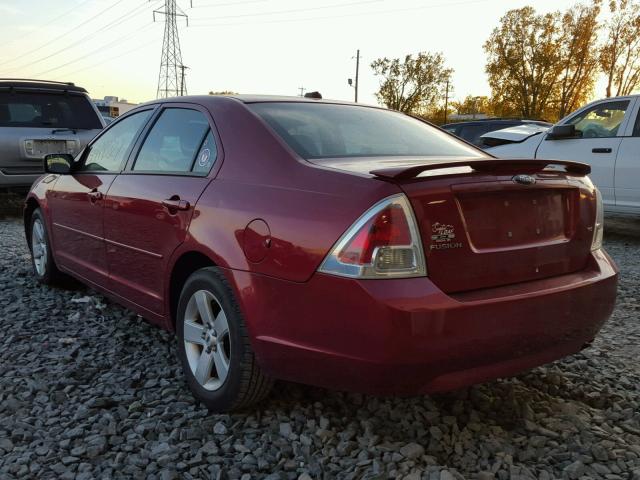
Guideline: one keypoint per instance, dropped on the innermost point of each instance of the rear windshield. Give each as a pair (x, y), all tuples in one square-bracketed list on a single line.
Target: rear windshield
[(55, 110), (323, 130)]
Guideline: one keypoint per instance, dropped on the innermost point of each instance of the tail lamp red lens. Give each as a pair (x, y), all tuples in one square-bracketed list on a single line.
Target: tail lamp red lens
[(383, 243), (387, 228)]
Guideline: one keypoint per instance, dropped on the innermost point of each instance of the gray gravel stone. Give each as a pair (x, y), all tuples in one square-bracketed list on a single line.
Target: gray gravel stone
[(98, 394), (412, 450)]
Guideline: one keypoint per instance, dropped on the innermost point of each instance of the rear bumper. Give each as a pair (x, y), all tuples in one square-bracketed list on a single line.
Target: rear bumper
[(408, 337)]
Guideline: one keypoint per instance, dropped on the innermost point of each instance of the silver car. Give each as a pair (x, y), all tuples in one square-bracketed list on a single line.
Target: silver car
[(41, 117)]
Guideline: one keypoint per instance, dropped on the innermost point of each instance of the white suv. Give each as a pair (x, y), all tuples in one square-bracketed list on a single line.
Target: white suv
[(605, 134)]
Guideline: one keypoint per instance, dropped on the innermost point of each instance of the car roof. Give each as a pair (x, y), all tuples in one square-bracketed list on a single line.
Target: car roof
[(205, 99), (39, 85), (284, 98)]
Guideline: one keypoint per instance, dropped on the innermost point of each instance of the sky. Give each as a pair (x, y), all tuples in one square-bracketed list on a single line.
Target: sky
[(112, 47)]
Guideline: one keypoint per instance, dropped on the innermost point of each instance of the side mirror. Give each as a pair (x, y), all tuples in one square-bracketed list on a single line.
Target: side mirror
[(59, 163), (558, 132)]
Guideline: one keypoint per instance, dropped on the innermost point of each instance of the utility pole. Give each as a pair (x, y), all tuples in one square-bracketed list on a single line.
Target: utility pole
[(357, 73), (170, 84), (350, 80), (302, 90), (446, 102), (183, 87)]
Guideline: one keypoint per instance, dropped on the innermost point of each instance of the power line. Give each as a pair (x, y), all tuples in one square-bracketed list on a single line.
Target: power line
[(130, 14), (245, 2), (67, 32), (346, 15), (294, 10), (102, 48), (46, 24), (106, 61)]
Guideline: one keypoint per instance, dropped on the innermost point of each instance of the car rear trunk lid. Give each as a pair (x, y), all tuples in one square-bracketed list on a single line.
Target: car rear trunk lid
[(488, 223)]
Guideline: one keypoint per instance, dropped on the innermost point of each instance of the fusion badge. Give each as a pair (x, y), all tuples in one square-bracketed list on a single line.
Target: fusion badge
[(443, 236)]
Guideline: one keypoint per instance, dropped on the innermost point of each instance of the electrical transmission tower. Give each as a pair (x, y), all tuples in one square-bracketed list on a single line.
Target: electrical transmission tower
[(171, 78)]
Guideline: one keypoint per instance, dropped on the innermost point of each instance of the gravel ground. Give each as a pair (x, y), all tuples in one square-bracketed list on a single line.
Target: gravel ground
[(12, 202), (89, 391)]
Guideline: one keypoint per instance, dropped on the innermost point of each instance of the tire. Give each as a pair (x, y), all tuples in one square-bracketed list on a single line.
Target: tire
[(218, 362), (44, 267)]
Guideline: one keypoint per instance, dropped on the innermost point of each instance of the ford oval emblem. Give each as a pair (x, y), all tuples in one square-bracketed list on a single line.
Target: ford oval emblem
[(524, 179)]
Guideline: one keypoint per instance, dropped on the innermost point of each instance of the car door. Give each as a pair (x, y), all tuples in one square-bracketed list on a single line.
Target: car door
[(77, 201), (627, 175), (150, 205), (601, 128)]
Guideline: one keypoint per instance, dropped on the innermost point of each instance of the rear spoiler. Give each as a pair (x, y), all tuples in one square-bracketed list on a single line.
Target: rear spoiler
[(489, 165)]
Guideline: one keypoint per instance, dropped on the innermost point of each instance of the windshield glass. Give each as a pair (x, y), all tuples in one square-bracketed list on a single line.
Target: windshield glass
[(323, 130), (55, 110)]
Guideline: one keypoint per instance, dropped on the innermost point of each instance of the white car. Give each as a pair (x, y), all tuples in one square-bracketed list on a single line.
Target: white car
[(605, 134)]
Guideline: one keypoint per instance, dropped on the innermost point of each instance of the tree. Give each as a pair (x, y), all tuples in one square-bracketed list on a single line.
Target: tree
[(543, 65), (472, 105), (523, 64), (620, 56), (224, 92), (413, 85), (578, 57)]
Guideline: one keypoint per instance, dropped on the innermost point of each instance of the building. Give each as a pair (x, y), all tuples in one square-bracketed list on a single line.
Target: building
[(113, 106)]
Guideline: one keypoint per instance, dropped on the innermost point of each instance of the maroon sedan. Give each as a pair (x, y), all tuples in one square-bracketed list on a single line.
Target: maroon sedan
[(326, 243)]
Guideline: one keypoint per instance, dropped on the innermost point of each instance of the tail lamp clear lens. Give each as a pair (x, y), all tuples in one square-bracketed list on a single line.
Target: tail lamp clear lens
[(382, 243), (598, 228)]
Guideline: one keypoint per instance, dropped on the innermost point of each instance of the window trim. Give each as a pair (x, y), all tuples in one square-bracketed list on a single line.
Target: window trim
[(82, 156), (215, 167), (635, 131)]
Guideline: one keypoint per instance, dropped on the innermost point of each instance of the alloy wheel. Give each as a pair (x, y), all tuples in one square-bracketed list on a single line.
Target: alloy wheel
[(207, 340), (39, 247)]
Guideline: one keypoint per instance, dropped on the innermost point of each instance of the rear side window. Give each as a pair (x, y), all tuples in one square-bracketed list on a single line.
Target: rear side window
[(321, 130), (636, 129), (174, 141), (109, 151), (47, 110), (206, 156)]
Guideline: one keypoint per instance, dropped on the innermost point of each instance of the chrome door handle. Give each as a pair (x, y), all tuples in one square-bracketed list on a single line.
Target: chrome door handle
[(175, 204)]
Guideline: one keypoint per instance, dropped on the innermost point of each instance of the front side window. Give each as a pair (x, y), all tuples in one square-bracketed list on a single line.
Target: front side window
[(108, 153), (47, 110), (322, 130), (601, 120), (174, 141)]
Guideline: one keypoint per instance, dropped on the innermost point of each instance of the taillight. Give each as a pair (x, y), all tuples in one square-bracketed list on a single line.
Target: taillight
[(382, 243), (598, 228)]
